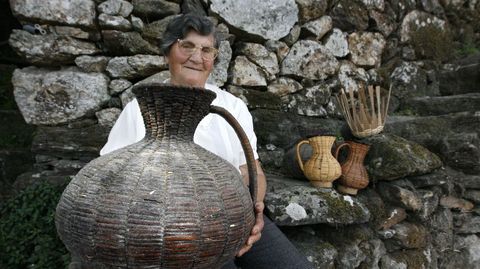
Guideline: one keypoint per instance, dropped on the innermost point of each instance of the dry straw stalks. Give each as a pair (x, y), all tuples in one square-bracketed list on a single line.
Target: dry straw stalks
[(365, 111)]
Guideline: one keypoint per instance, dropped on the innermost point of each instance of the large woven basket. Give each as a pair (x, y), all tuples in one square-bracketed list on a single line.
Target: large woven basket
[(163, 202)]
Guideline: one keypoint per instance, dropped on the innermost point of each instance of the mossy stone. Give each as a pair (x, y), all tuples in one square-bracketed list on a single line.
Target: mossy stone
[(392, 157), (413, 258), (432, 42)]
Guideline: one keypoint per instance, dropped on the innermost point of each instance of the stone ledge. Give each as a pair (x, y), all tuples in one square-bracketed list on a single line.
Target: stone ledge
[(291, 202)]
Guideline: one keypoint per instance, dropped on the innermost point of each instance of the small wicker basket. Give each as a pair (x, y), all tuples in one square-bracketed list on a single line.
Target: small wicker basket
[(365, 111)]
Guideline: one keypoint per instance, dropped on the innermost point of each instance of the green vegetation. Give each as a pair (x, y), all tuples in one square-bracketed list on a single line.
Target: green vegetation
[(432, 42), (339, 138), (467, 49), (28, 238)]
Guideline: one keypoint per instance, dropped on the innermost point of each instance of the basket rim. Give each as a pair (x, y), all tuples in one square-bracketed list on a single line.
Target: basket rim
[(140, 89)]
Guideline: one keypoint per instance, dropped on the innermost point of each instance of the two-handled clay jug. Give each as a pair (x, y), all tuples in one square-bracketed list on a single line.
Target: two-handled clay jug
[(163, 202), (322, 168), (354, 175)]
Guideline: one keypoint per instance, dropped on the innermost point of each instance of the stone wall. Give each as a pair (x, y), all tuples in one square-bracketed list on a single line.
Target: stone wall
[(287, 59)]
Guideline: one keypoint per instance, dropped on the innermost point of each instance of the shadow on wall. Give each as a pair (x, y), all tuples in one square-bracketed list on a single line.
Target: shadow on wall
[(7, 23), (15, 134)]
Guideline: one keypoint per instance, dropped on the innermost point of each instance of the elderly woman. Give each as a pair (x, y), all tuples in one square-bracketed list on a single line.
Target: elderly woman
[(191, 47)]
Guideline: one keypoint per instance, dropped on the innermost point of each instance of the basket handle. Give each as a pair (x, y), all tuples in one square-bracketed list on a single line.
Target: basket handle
[(247, 149), (299, 158), (340, 147)]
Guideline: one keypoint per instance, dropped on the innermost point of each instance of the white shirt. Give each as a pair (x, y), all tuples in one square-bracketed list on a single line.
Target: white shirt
[(213, 132)]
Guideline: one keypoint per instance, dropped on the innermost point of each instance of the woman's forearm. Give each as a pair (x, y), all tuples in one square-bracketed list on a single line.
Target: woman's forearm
[(261, 180)]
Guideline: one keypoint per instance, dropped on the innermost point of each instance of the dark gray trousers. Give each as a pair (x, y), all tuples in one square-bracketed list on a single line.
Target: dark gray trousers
[(272, 251)]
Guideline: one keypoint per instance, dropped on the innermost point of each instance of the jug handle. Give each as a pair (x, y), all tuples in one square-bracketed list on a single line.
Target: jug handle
[(340, 147), (299, 158), (247, 149)]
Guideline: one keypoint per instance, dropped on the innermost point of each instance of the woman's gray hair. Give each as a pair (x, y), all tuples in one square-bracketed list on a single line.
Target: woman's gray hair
[(181, 25)]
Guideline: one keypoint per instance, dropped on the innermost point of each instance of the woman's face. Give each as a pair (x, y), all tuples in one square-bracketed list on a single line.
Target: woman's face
[(190, 70)]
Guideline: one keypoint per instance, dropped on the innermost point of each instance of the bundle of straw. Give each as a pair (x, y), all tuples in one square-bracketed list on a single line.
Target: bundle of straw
[(365, 111)]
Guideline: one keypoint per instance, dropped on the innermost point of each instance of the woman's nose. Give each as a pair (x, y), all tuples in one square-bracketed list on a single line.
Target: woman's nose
[(197, 55)]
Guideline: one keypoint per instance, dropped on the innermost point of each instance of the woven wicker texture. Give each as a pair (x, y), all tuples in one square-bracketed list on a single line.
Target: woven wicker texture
[(365, 111), (322, 168), (163, 202), (354, 175)]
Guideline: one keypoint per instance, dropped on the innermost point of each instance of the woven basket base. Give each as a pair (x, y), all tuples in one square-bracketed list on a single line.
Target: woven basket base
[(368, 132), (347, 190), (321, 184)]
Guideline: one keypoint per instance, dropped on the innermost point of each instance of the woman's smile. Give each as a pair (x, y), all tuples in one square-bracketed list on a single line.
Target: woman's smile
[(193, 68)]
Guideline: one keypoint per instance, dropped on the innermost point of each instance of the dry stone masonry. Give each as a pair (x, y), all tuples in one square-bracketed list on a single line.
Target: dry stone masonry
[(287, 59), (269, 19)]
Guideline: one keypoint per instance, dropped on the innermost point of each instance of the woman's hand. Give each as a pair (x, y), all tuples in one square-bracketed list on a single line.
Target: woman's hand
[(256, 232)]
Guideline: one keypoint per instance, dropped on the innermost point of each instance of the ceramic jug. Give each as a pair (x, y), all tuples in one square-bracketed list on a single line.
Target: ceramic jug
[(354, 175), (322, 168), (163, 202)]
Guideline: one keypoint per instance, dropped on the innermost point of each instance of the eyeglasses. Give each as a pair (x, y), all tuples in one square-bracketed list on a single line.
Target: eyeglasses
[(189, 48)]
